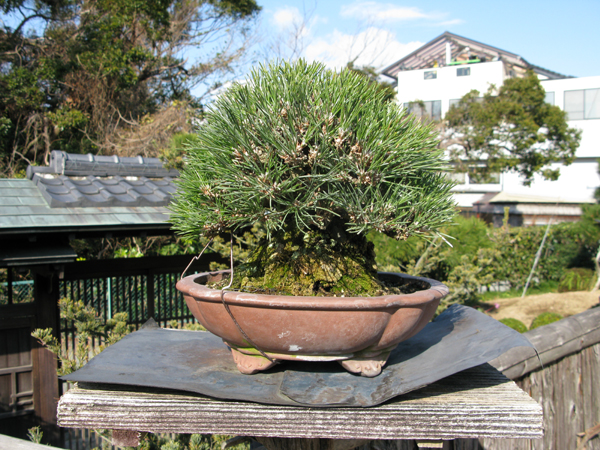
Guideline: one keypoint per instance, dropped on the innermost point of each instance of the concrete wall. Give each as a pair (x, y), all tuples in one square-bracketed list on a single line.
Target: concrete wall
[(447, 86), (590, 139)]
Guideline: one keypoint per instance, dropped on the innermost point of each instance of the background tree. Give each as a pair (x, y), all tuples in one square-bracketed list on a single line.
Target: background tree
[(387, 89), (511, 128), (110, 76)]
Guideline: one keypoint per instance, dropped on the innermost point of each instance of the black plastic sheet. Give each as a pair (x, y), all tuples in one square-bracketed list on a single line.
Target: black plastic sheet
[(460, 338)]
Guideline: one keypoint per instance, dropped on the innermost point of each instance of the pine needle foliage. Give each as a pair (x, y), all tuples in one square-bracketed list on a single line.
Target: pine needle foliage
[(316, 159), (301, 147)]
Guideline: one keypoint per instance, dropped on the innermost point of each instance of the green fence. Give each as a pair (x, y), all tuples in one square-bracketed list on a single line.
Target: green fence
[(22, 292), (130, 294)]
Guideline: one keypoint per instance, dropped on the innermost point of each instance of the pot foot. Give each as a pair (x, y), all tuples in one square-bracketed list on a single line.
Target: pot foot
[(251, 364), (367, 367)]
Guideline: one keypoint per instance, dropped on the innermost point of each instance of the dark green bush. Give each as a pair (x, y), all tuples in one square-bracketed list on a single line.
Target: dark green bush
[(515, 324), (482, 255), (576, 279), (545, 319), (468, 236)]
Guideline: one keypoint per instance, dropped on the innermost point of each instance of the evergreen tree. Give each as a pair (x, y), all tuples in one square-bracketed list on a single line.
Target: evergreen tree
[(387, 89), (317, 159)]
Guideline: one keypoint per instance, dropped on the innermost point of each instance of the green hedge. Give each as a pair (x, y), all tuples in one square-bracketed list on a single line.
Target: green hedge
[(515, 324), (481, 255), (576, 279)]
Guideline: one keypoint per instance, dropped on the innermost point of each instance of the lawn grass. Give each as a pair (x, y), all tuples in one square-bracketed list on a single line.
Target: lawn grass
[(542, 288)]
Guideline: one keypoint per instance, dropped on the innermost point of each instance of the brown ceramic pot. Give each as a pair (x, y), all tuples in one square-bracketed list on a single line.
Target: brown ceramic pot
[(359, 332)]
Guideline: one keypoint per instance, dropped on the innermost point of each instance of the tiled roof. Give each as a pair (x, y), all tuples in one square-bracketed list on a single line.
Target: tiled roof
[(76, 181), (131, 194), (22, 208), (71, 192)]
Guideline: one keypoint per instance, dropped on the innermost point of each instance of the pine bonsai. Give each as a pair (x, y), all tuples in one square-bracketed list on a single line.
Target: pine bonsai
[(317, 159)]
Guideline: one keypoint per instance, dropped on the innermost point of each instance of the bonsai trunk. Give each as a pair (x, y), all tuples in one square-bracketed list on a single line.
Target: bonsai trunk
[(320, 262)]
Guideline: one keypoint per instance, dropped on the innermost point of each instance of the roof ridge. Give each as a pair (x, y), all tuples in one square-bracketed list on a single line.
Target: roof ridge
[(63, 163), (393, 69)]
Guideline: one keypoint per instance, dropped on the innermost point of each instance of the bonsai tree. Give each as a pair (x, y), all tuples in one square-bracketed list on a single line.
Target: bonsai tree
[(317, 159)]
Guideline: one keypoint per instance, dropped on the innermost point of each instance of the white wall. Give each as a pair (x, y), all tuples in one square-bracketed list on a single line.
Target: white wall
[(577, 182), (447, 86)]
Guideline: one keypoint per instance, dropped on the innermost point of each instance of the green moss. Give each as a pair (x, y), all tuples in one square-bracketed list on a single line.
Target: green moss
[(545, 319), (316, 263), (325, 262), (515, 324)]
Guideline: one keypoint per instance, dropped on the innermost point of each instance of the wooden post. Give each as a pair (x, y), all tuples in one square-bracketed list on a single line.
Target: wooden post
[(150, 294), (45, 380)]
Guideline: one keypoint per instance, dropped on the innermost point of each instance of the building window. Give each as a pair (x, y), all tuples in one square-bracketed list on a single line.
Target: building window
[(456, 101), (431, 109), (473, 176), (463, 71), (482, 176), (457, 177), (549, 98), (430, 74), (583, 104)]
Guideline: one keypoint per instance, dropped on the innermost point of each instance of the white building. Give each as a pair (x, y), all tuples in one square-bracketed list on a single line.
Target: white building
[(448, 67)]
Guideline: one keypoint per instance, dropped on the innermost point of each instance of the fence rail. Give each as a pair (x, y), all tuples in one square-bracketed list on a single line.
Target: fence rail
[(564, 380)]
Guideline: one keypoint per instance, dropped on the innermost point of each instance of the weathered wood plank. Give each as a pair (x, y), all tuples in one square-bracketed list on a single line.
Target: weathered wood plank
[(566, 387), (275, 443), (553, 342), (569, 395), (475, 403)]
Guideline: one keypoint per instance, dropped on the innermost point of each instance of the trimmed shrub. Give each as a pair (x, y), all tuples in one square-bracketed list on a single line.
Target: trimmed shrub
[(545, 319), (515, 324)]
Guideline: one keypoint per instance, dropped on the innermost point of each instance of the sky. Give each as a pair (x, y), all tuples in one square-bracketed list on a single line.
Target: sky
[(561, 36)]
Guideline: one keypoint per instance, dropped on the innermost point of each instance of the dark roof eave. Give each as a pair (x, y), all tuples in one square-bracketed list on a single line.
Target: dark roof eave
[(549, 73), (155, 229)]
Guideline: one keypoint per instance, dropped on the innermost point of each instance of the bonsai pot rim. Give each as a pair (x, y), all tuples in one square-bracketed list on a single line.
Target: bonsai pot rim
[(189, 286)]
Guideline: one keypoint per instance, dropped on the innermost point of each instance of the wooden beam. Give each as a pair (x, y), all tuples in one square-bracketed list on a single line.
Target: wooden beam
[(552, 342), (137, 266), (479, 402), (12, 312), (45, 380)]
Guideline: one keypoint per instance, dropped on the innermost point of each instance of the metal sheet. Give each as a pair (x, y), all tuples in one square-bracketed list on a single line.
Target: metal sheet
[(458, 339)]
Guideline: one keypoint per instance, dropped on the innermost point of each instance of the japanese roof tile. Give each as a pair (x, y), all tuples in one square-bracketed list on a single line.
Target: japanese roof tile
[(63, 191), (78, 192)]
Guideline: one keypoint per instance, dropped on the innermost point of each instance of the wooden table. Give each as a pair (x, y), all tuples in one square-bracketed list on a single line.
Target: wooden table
[(476, 403)]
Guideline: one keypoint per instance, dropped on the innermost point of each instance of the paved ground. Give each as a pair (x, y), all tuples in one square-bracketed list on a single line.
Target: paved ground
[(526, 309)]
